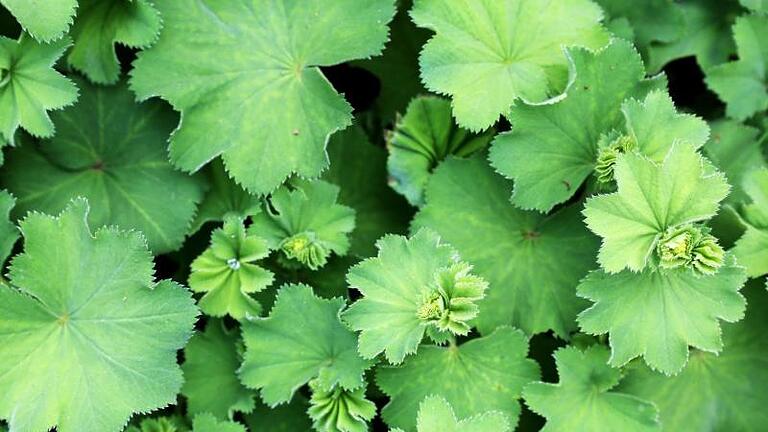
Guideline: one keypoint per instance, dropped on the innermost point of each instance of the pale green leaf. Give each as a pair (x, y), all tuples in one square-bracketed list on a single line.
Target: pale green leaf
[(340, 410), (110, 150), (488, 54), (66, 331), (44, 19), (436, 415), (582, 401), (256, 64)]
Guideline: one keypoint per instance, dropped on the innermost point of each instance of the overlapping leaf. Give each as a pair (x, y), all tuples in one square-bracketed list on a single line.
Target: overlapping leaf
[(110, 150), (223, 198), (66, 331), (44, 19), (256, 64), (436, 415)]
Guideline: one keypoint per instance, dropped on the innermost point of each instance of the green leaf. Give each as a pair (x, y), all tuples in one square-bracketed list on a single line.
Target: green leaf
[(66, 331), (359, 168), (159, 424), (340, 410), (224, 198), (110, 150), (735, 150), (290, 417), (301, 339), (30, 87), (651, 199), (707, 24), (652, 22), (211, 385), (715, 392), (413, 284), (423, 138), (483, 374), (743, 84), (583, 400), (305, 223), (239, 60), (755, 5), (543, 257), (751, 249), (658, 313), (436, 415), (208, 423), (8, 231), (226, 272), (45, 20), (487, 55), (100, 25), (553, 148)]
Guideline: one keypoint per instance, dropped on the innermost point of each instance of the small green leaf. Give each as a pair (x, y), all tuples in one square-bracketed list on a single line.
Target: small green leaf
[(301, 339), (339, 410), (487, 55), (658, 313), (480, 375), (210, 366), (30, 86), (226, 272), (436, 415), (66, 331), (582, 400)]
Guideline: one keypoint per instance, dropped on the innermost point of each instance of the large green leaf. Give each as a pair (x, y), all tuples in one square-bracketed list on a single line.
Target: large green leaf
[(245, 75), (488, 54), (85, 323), (44, 19), (110, 150), (532, 262)]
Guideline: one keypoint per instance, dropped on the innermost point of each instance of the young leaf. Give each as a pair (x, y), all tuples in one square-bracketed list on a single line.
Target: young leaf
[(66, 331), (8, 231), (715, 392), (483, 374), (422, 139), (110, 150), (339, 410), (45, 20), (359, 169), (211, 385), (413, 284), (226, 272), (532, 261), (658, 313), (651, 200), (30, 87), (208, 423), (100, 25), (751, 249), (239, 60), (306, 224), (553, 148), (487, 55), (224, 198), (436, 415), (582, 400), (301, 339), (743, 84)]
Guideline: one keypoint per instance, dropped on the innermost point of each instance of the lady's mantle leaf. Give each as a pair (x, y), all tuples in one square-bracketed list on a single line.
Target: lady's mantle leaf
[(174, 423), (436, 415), (110, 150), (29, 86), (413, 284), (45, 20), (659, 312), (223, 198), (752, 248), (210, 366), (736, 150), (78, 325), (743, 83), (487, 54), (8, 231), (100, 25), (244, 74), (206, 422), (532, 261), (340, 410), (301, 339), (651, 199), (422, 139), (305, 223), (715, 392), (582, 400), (483, 374), (226, 272)]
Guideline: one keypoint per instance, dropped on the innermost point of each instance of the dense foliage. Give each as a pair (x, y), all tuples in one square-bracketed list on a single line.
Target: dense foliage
[(383, 215)]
